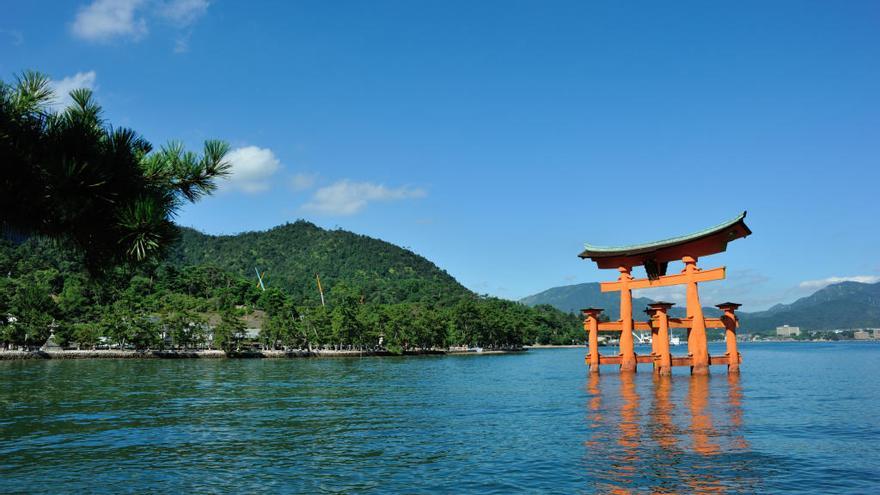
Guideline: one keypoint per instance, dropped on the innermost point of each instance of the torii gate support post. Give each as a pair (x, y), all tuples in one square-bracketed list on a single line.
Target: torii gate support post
[(660, 316), (627, 351), (654, 336), (730, 323), (698, 348), (591, 325)]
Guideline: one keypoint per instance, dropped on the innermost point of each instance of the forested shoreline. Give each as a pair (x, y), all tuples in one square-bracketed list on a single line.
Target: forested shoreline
[(47, 291)]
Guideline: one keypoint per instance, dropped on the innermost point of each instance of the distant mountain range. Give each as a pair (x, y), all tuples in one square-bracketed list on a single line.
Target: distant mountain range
[(841, 305), (573, 298)]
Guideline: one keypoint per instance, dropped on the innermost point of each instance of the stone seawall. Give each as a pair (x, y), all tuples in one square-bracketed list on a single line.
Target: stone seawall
[(213, 354)]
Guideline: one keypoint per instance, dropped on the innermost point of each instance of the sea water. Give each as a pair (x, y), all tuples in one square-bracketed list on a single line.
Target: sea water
[(800, 418)]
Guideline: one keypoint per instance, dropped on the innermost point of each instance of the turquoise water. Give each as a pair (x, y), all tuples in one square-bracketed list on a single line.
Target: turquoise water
[(802, 418)]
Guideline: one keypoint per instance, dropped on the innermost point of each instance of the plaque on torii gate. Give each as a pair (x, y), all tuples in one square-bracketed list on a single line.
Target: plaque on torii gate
[(655, 257)]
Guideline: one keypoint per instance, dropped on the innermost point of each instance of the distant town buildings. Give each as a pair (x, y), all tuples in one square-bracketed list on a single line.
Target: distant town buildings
[(867, 334), (787, 331)]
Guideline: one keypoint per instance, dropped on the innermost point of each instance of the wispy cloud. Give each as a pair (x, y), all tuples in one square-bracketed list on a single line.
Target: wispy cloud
[(105, 20), (183, 12), (102, 20), (818, 284), (347, 198), (667, 294), (15, 36), (303, 181), (744, 286), (252, 169), (63, 87), (181, 44)]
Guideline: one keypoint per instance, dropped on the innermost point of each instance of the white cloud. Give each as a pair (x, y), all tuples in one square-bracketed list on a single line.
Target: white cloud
[(301, 181), (63, 87), (183, 12), (818, 284), (347, 198), (252, 167), (668, 294), (105, 19)]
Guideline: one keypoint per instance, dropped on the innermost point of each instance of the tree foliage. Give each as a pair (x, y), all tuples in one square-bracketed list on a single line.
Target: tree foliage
[(293, 254), (165, 306), (72, 176)]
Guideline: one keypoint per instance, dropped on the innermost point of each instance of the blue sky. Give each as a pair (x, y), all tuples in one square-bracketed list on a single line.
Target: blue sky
[(495, 138)]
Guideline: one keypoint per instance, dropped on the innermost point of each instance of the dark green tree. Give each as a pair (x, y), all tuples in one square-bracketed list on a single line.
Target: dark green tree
[(72, 176), (229, 332), (185, 328)]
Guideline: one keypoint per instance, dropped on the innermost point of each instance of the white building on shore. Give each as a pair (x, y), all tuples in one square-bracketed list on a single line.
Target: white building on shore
[(787, 331)]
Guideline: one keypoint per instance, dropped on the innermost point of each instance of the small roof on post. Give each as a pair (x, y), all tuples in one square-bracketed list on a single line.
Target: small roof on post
[(654, 256), (728, 306), (658, 306)]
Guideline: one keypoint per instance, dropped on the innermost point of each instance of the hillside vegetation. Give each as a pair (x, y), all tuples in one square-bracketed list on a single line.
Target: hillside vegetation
[(378, 296), (292, 254)]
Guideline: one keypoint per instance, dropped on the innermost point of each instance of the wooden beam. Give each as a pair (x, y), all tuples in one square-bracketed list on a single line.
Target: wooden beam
[(609, 359), (715, 360), (665, 281), (646, 326), (676, 360), (714, 323), (682, 361), (687, 323), (615, 326), (640, 358)]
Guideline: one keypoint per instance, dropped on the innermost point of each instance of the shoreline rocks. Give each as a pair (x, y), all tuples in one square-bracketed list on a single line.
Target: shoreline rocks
[(215, 354)]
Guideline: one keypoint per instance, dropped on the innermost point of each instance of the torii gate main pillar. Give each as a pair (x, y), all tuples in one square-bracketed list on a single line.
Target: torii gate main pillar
[(698, 347), (627, 349)]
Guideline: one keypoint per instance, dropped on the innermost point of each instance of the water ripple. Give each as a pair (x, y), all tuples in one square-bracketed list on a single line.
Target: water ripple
[(532, 423)]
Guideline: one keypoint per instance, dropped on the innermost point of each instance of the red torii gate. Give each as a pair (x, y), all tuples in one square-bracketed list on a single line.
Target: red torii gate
[(655, 257)]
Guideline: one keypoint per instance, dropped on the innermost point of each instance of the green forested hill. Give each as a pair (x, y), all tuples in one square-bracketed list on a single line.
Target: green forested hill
[(293, 253), (205, 294)]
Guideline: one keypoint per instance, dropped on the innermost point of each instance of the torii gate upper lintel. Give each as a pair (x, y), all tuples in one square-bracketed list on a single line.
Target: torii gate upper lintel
[(655, 257)]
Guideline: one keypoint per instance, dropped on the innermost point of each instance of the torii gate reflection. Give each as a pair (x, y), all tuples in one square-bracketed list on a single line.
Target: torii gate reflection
[(658, 443)]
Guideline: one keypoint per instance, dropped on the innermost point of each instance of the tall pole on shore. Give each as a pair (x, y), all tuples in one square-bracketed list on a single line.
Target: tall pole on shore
[(260, 279), (320, 290)]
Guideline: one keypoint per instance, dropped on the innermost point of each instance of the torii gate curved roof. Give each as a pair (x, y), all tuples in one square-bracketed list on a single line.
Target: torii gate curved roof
[(654, 255)]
